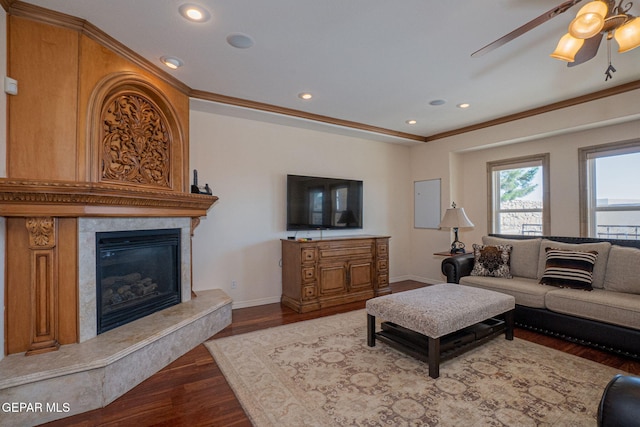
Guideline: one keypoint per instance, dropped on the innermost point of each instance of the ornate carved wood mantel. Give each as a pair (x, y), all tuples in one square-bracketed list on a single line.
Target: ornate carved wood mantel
[(24, 198), (92, 133)]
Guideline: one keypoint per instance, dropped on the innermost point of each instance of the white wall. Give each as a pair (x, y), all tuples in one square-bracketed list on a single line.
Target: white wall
[(245, 162), (3, 162), (460, 162)]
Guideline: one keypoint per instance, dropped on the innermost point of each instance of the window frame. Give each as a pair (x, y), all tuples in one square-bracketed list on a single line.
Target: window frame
[(586, 197), (493, 204)]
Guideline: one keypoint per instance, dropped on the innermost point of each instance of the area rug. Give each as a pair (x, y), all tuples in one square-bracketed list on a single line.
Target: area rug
[(322, 373)]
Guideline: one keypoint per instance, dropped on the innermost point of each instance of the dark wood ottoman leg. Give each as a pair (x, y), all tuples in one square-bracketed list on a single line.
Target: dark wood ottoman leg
[(371, 330), (434, 357), (508, 320)]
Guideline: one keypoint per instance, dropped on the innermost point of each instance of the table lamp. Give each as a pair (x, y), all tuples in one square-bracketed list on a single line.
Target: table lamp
[(455, 218)]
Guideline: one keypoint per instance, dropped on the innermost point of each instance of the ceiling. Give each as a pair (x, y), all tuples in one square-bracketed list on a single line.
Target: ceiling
[(372, 62)]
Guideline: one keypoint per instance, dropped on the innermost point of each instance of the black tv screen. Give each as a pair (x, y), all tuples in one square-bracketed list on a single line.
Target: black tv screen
[(316, 203)]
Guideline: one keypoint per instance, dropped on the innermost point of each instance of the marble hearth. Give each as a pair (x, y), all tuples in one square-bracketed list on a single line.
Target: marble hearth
[(81, 377)]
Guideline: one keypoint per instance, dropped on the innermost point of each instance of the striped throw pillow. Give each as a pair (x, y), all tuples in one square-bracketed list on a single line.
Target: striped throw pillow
[(569, 269)]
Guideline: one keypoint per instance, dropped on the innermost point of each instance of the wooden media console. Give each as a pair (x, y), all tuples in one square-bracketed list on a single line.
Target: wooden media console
[(333, 271)]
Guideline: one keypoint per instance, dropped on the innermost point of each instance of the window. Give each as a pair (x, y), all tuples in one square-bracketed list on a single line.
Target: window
[(610, 196), (519, 195)]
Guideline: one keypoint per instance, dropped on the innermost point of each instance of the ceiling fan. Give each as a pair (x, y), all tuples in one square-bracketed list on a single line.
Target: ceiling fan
[(592, 22)]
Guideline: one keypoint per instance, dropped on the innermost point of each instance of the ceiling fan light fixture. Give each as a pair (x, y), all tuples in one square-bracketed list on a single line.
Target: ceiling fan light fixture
[(597, 6), (628, 35), (586, 26), (589, 20), (567, 48)]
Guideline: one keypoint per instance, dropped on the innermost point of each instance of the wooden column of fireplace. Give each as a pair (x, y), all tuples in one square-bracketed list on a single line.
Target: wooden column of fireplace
[(95, 131)]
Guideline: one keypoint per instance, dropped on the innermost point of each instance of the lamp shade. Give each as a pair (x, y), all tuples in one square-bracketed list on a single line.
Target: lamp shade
[(589, 21), (567, 48), (455, 218), (628, 35)]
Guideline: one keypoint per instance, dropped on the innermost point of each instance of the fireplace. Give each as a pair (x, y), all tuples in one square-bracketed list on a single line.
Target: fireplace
[(137, 273)]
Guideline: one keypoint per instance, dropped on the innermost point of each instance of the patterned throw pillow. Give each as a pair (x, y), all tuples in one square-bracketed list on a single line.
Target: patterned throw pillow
[(569, 269), (492, 261)]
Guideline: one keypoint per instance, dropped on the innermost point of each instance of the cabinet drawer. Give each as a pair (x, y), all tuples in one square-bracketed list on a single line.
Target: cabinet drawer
[(383, 265), (309, 291), (308, 273), (308, 254), (383, 280), (383, 249), (345, 252)]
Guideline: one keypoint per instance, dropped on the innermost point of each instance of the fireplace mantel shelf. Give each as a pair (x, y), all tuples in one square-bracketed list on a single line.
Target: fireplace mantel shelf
[(28, 198)]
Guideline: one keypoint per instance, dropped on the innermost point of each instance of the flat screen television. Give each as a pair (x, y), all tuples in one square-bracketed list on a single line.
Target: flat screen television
[(317, 203)]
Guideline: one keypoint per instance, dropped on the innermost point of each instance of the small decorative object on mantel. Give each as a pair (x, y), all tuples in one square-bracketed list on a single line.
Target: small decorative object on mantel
[(456, 218), (195, 189)]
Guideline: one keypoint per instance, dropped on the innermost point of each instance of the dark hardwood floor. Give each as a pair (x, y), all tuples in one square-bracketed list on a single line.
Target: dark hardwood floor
[(193, 392)]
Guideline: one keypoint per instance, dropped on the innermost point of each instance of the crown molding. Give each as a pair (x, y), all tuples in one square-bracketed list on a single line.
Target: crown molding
[(616, 90), (239, 102)]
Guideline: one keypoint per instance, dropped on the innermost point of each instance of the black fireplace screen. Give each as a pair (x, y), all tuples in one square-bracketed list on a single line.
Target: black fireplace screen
[(138, 273)]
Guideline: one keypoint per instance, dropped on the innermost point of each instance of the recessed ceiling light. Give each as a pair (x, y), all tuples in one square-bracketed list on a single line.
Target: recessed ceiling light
[(437, 102), (411, 122), (305, 95), (194, 13), (172, 62), (463, 105), (241, 41)]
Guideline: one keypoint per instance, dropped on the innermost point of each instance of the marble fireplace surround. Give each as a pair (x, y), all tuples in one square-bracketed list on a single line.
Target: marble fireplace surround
[(87, 229)]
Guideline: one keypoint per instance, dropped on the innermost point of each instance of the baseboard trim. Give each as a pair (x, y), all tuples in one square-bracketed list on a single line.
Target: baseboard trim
[(255, 302)]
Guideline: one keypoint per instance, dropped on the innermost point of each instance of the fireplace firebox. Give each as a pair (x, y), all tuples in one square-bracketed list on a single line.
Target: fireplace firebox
[(138, 273)]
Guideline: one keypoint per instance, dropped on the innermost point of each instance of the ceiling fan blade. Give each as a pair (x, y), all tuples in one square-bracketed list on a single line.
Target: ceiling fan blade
[(526, 27), (588, 50)]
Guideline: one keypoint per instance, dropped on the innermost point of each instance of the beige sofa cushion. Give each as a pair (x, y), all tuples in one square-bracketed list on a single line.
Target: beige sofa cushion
[(524, 255), (623, 270), (526, 291), (610, 307), (599, 268)]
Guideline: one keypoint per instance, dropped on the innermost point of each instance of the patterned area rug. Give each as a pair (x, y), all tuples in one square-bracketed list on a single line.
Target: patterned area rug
[(321, 373)]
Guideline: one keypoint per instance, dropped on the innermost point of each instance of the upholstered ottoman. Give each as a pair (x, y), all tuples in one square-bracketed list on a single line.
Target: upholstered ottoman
[(443, 313)]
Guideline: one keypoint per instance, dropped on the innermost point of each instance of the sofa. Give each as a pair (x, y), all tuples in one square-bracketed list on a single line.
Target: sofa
[(603, 314)]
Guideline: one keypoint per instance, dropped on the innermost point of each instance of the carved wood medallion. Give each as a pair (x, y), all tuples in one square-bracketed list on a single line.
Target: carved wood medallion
[(136, 141), (41, 232)]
